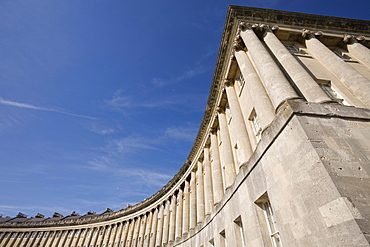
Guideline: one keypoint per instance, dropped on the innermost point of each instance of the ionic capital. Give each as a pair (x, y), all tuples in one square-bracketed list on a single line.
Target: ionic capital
[(348, 38), (308, 34), (238, 44), (228, 82), (213, 130), (275, 28), (220, 110), (244, 26), (361, 38)]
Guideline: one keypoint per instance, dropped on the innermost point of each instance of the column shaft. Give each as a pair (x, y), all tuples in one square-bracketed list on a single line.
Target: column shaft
[(277, 86), (244, 146), (218, 190), (227, 160), (361, 52), (153, 230), (352, 79), (172, 221), (193, 201), (260, 98), (136, 232), (158, 238), (166, 220), (142, 231), (186, 204), (107, 235), (200, 193), (179, 216), (147, 230), (305, 83), (208, 190), (130, 233)]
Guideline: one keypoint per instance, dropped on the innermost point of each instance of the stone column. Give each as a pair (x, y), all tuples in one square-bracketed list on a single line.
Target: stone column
[(351, 78), (158, 239), (193, 201), (227, 159), (142, 231), (89, 237), (112, 234), (153, 230), (276, 85), (305, 83), (107, 234), (125, 230), (166, 220), (147, 229), (238, 123), (130, 233), (362, 53), (101, 236), (200, 193), (179, 216), (260, 99), (172, 223), (185, 214), (208, 190), (218, 190), (136, 232), (117, 237)]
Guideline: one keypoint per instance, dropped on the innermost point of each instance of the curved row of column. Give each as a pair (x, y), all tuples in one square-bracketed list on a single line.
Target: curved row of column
[(227, 144)]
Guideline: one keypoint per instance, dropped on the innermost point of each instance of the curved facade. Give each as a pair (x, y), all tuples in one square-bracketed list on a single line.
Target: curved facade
[(282, 156)]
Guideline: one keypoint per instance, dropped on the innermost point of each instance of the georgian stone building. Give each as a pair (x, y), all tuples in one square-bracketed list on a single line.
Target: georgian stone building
[(282, 156)]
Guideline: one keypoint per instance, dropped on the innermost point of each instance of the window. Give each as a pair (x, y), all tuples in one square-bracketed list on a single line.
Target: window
[(331, 92), (33, 235), (39, 235), (20, 235), (222, 238), (255, 125), (237, 153), (239, 79), (26, 235), (269, 215), (340, 54), (212, 242), (228, 113), (45, 234), (13, 235), (294, 49), (239, 233)]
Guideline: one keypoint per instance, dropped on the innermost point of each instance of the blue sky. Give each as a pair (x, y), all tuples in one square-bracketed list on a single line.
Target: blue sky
[(100, 101)]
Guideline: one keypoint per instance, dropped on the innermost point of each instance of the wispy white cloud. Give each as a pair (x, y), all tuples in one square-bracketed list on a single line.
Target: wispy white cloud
[(189, 73), (121, 101), (100, 129), (38, 108), (181, 133), (131, 143)]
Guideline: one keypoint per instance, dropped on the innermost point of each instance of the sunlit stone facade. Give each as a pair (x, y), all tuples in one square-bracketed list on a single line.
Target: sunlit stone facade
[(282, 156)]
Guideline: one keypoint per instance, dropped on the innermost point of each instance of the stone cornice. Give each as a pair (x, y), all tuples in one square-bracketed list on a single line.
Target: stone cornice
[(300, 20)]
